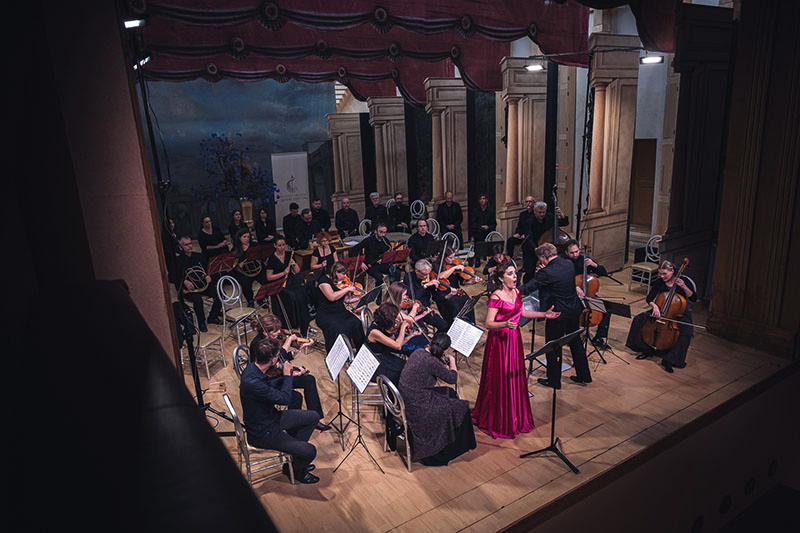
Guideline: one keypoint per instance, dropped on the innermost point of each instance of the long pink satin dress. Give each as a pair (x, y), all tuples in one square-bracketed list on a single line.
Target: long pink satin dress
[(503, 407)]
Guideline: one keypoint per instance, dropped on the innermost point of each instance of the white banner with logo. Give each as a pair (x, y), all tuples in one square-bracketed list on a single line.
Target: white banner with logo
[(290, 174)]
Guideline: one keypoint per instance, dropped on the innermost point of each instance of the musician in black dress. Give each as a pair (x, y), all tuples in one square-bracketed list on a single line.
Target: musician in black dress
[(450, 301), (385, 339), (556, 284), (419, 242), (373, 248), (675, 357), (265, 227), (324, 255), (237, 223), (376, 211), (306, 229), (320, 215), (211, 240), (183, 262), (294, 296), (268, 326), (398, 295), (246, 272), (481, 220), (578, 261), (333, 318), (400, 214), (346, 219), (541, 222), (449, 216), (420, 287)]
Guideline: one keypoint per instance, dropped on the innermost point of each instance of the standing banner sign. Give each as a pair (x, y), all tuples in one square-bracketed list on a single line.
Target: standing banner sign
[(290, 174)]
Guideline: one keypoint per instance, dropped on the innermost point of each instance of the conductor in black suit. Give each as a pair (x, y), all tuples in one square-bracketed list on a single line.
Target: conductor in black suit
[(556, 284)]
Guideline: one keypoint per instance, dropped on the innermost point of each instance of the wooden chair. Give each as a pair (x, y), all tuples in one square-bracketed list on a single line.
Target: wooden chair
[(645, 272)]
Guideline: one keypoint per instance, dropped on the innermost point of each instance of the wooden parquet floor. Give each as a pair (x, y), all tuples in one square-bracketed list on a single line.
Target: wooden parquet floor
[(629, 406)]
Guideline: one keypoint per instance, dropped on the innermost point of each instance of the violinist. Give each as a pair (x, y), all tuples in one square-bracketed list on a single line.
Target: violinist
[(333, 318), (268, 326), (385, 339), (421, 287), (293, 296), (450, 298), (675, 357), (419, 242), (414, 309), (578, 261), (324, 255)]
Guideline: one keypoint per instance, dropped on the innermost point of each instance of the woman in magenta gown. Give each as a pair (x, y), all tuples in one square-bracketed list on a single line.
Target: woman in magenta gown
[(503, 407)]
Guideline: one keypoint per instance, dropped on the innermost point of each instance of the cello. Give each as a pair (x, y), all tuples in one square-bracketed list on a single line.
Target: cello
[(590, 284), (662, 333)]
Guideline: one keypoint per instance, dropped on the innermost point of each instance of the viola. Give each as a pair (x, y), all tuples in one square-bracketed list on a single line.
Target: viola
[(468, 273), (662, 333)]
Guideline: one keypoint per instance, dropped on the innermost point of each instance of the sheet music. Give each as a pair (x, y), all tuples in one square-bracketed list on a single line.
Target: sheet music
[(340, 352), (362, 368), (464, 336)]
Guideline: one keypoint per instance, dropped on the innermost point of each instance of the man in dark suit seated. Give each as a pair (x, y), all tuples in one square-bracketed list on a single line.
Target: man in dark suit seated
[(376, 211), (290, 222), (264, 385), (419, 242), (400, 214), (346, 219), (482, 220), (320, 215), (555, 281), (449, 216), (306, 229), (187, 260)]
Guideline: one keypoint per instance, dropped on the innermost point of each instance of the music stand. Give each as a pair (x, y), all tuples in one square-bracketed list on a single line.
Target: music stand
[(354, 265), (469, 305), (553, 447), (309, 277), (435, 248), (273, 288), (483, 249), (370, 296), (341, 351), (613, 308), (594, 305), (221, 263)]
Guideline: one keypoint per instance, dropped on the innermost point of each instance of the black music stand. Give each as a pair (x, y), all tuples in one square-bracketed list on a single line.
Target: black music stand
[(483, 249), (468, 306), (435, 248), (553, 447), (595, 305), (613, 308), (340, 415), (370, 297)]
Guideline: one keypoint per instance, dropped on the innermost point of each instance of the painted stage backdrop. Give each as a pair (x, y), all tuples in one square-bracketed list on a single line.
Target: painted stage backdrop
[(259, 119)]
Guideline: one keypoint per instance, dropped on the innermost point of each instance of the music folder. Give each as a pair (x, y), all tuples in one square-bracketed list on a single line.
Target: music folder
[(221, 263)]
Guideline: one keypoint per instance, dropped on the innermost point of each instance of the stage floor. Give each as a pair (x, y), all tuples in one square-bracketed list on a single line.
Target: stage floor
[(629, 406)]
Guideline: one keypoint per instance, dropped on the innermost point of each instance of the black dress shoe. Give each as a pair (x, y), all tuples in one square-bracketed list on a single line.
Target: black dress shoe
[(323, 427), (311, 467), (600, 343), (215, 320), (643, 356), (546, 383), (307, 479), (667, 366), (203, 328), (576, 379)]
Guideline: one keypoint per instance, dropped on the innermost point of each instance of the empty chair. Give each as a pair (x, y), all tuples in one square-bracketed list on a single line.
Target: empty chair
[(233, 310), (208, 346), (645, 272)]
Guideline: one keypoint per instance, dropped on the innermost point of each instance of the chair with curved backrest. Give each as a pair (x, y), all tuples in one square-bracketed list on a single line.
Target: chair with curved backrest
[(247, 452), (452, 241), (396, 408), (208, 345), (241, 358), (364, 398), (417, 209), (645, 272), (494, 236), (230, 294), (363, 226), (433, 227), (389, 203)]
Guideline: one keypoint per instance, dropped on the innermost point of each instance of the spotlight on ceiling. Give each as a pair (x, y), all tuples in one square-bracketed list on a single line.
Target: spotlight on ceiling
[(535, 64), (650, 60), (135, 23)]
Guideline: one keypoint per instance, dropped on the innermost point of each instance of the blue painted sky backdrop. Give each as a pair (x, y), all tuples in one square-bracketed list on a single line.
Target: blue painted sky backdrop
[(272, 117)]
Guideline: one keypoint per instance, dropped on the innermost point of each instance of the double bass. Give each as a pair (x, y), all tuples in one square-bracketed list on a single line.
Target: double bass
[(662, 333), (558, 236)]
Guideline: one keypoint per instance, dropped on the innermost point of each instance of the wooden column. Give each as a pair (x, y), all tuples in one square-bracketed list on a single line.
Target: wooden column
[(337, 164), (755, 291), (387, 117), (525, 93), (345, 130), (702, 52), (447, 98), (614, 76)]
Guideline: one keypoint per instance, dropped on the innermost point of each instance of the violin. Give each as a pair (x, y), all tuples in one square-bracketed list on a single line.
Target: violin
[(468, 273), (662, 333), (408, 303), (299, 340), (347, 283)]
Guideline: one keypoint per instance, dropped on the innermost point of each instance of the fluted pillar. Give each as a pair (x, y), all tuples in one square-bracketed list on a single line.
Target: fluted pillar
[(344, 129), (512, 155), (380, 160), (598, 132), (387, 117), (337, 164), (438, 163)]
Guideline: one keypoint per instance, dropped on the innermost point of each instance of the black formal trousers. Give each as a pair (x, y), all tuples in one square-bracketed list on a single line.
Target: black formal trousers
[(196, 299), (308, 384), (296, 427), (557, 328)]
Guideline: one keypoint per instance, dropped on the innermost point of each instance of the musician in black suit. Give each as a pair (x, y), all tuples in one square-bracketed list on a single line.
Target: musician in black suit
[(541, 222), (578, 261), (320, 215), (373, 248), (555, 281), (400, 214), (419, 242), (306, 229), (376, 211), (449, 216), (290, 223), (420, 287), (482, 220), (187, 259), (346, 219)]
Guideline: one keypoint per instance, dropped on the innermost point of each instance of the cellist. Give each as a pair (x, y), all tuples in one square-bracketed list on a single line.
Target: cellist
[(578, 260), (676, 355)]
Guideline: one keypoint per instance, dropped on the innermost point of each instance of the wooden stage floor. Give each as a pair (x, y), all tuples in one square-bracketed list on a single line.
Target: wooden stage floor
[(629, 406)]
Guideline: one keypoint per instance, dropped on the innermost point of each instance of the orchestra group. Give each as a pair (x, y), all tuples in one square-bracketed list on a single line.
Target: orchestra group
[(422, 296)]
